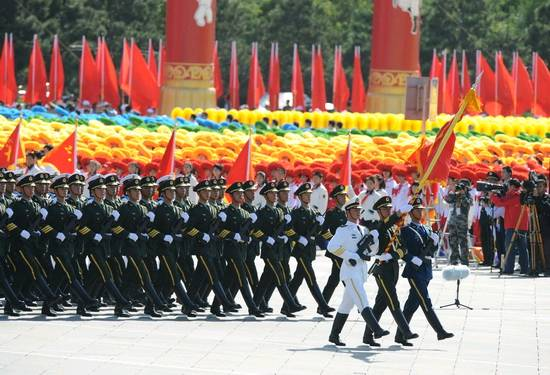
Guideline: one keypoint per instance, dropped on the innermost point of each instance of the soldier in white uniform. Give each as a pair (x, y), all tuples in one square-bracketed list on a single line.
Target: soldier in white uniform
[(319, 195), (354, 245)]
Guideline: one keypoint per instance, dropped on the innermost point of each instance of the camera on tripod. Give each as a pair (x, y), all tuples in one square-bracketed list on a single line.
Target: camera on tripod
[(490, 187), (526, 196)]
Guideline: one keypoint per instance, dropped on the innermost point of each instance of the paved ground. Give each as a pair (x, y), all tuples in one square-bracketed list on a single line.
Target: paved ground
[(508, 332)]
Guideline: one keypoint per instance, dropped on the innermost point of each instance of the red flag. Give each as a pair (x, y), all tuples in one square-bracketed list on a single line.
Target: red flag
[(144, 92), (218, 81), (486, 89), (523, 87), (340, 94), (125, 68), (64, 156), (358, 86), (151, 62), (345, 175), (89, 77), (166, 166), (297, 84), (256, 87), (108, 77), (435, 70), (241, 170), (453, 83), (504, 88), (465, 76), (318, 90), (442, 151), (274, 77), (234, 96), (8, 85), (162, 59), (12, 148), (57, 75), (444, 97), (36, 77), (541, 82)]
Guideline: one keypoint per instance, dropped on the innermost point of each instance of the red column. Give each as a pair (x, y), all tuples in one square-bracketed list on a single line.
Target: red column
[(189, 70), (394, 53)]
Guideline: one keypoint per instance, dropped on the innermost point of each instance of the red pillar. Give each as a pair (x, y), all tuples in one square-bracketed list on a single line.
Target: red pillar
[(189, 70), (394, 53)]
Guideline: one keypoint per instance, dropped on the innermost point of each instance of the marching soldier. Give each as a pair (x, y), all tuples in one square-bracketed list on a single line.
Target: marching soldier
[(96, 231), (306, 224), (148, 185), (419, 241), (115, 261), (334, 218), (269, 228), (60, 231), (253, 248), (77, 201), (182, 201), (166, 226), (386, 268), (131, 229), (42, 181), (353, 244)]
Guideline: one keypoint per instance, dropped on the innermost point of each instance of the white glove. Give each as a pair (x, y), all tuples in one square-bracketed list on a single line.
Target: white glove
[(406, 209), (25, 234), (185, 217), (60, 236), (9, 212), (254, 217), (115, 214), (434, 237), (151, 216), (238, 238), (145, 235), (206, 237), (416, 261), (270, 241), (284, 238), (385, 257), (288, 218), (222, 216), (320, 219), (98, 237), (168, 238), (132, 236), (303, 240), (44, 213), (78, 214), (374, 234)]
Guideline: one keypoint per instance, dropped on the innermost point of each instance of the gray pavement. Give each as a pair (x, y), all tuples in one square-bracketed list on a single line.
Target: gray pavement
[(508, 332)]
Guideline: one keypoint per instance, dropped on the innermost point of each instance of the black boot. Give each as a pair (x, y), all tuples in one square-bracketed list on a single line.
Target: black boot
[(121, 312), (337, 325), (87, 302), (9, 311), (324, 308), (220, 294), (46, 309), (290, 301), (403, 326), (436, 325), (150, 310), (153, 297), (371, 321), (188, 306), (400, 340), (252, 307), (115, 292), (81, 310)]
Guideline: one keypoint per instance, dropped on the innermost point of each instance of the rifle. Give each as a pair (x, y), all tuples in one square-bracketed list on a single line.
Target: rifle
[(363, 247)]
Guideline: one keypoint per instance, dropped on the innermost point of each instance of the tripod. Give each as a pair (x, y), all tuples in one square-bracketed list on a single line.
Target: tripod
[(535, 240), (457, 300)]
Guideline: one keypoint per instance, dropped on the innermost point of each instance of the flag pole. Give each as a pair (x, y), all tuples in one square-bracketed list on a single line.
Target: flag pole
[(18, 139)]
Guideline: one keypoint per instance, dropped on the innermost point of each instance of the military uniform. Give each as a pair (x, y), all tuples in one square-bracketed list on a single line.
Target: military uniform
[(458, 226), (185, 263), (253, 248), (150, 205), (115, 260), (78, 202)]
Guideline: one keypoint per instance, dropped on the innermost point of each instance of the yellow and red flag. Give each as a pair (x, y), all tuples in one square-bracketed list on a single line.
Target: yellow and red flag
[(12, 148), (64, 156)]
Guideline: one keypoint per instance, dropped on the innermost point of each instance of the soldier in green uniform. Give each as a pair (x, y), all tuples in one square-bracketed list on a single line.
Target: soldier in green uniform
[(253, 248), (184, 261), (23, 225), (334, 218), (386, 268), (234, 231), (10, 187), (166, 226), (306, 224), (131, 230), (96, 231), (201, 228), (42, 181), (77, 201), (59, 229), (269, 229), (148, 185)]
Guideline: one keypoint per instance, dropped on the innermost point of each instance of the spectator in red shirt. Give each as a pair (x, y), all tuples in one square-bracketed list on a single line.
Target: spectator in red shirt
[(515, 215)]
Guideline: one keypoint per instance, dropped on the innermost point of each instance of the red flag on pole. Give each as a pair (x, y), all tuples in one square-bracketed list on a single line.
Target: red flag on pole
[(108, 76), (453, 83), (64, 156), (57, 75), (166, 166), (162, 59), (256, 86), (541, 82), (89, 77), (504, 88), (234, 96), (444, 97), (486, 89), (340, 92), (465, 76), (218, 81), (125, 68), (318, 89), (345, 176), (8, 85), (36, 77), (274, 77), (358, 85), (12, 148), (144, 91), (297, 84), (523, 87), (241, 170), (435, 70), (151, 62)]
